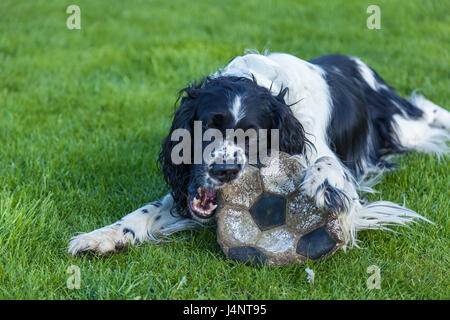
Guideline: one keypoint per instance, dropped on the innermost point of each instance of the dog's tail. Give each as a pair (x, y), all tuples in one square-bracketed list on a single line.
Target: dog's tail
[(380, 215)]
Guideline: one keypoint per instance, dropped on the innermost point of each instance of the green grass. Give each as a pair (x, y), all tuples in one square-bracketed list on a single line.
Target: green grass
[(83, 112)]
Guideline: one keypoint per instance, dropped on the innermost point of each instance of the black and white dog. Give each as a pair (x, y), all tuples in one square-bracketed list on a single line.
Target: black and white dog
[(333, 107)]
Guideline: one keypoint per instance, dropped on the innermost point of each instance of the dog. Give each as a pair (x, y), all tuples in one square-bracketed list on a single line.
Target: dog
[(333, 107)]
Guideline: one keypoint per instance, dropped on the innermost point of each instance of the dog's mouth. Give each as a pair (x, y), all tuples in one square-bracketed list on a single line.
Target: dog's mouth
[(203, 202)]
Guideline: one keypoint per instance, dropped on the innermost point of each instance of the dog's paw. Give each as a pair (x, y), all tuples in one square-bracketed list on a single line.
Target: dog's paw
[(101, 241), (326, 183)]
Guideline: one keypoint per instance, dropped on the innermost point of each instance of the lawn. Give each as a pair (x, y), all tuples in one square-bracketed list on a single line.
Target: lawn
[(83, 113)]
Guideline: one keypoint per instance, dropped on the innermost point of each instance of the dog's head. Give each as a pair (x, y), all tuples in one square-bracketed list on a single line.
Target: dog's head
[(210, 109)]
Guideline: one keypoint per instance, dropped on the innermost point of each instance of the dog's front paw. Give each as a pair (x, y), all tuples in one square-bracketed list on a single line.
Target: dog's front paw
[(326, 182), (101, 241)]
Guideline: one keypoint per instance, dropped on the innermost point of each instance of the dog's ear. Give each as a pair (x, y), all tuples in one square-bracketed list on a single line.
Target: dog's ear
[(291, 133), (177, 175)]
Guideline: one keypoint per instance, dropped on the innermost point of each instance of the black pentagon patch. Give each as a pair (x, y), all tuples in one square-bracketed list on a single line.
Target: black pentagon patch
[(269, 211), (247, 255), (315, 244)]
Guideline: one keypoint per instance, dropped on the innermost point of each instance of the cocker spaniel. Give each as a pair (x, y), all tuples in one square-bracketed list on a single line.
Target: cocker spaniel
[(333, 106)]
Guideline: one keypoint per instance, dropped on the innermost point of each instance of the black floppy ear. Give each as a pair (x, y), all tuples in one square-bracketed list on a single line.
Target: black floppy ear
[(177, 175), (292, 135)]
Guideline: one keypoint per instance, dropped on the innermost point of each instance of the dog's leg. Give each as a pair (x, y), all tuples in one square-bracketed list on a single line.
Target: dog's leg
[(328, 183), (334, 189), (144, 224)]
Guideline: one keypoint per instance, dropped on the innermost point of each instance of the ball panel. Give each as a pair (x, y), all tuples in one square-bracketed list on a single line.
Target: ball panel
[(236, 227), (316, 244), (334, 229), (269, 211), (277, 241), (282, 174), (303, 215), (245, 190), (248, 255)]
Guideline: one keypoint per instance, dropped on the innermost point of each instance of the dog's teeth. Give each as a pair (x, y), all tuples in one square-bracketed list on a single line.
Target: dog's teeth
[(199, 190), (212, 207)]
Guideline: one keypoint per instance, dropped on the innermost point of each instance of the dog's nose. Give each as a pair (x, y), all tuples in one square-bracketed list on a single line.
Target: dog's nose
[(225, 172)]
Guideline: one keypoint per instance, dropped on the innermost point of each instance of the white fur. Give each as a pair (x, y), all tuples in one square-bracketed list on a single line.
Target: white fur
[(376, 215), (226, 152), (143, 222), (237, 109), (327, 168), (428, 134), (418, 135)]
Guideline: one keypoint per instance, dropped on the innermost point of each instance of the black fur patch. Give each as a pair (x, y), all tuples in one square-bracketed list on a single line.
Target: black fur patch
[(361, 128), (127, 230), (335, 199), (157, 203)]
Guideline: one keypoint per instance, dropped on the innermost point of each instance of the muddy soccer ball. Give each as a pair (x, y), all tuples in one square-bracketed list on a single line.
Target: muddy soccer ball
[(264, 218)]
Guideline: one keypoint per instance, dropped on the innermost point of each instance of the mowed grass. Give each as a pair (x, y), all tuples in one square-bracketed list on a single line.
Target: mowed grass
[(83, 113)]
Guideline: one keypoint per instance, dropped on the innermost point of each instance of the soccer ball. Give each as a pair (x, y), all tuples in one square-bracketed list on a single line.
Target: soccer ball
[(264, 218)]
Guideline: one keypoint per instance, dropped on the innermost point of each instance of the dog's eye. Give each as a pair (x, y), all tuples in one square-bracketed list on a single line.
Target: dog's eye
[(217, 119)]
